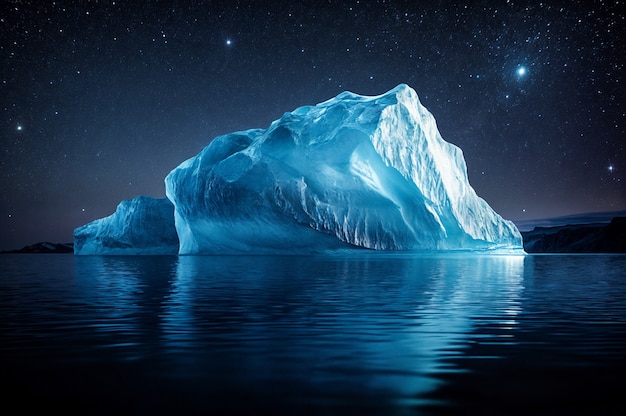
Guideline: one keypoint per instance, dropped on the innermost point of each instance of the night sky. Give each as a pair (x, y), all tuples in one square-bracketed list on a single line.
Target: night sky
[(100, 100)]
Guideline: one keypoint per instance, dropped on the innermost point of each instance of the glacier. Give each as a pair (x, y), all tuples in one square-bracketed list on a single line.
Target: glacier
[(143, 225), (370, 172)]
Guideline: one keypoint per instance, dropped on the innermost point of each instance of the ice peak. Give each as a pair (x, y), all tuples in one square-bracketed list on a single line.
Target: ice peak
[(402, 90), (400, 93)]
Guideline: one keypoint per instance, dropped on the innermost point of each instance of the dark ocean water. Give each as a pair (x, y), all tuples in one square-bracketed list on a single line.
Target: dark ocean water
[(366, 333)]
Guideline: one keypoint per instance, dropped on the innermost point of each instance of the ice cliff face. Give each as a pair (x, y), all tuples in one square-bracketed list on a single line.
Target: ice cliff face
[(142, 225), (354, 171)]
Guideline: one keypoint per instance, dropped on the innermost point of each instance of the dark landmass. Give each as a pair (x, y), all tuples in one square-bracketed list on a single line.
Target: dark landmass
[(43, 248), (578, 238)]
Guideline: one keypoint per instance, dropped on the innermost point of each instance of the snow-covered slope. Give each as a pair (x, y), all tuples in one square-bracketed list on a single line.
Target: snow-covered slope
[(142, 225), (354, 171)]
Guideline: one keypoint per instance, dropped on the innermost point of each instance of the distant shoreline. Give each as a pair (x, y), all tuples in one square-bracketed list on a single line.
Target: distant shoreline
[(595, 237), (43, 248), (578, 238), (580, 233)]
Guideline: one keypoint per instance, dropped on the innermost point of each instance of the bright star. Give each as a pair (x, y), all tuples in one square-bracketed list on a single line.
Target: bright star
[(229, 42), (521, 71), (19, 127), (611, 168)]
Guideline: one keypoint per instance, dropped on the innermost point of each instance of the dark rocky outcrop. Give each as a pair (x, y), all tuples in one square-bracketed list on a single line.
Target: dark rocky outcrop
[(44, 248), (578, 238)]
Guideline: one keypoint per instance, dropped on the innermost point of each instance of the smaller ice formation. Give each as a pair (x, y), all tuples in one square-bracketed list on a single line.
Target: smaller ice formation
[(142, 225)]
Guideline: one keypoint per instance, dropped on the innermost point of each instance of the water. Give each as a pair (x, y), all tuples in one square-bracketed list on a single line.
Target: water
[(361, 334)]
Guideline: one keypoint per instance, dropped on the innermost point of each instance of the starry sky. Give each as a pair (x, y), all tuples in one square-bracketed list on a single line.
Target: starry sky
[(99, 100)]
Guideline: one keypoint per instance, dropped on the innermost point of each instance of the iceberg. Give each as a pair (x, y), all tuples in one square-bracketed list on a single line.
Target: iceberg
[(142, 225), (370, 172)]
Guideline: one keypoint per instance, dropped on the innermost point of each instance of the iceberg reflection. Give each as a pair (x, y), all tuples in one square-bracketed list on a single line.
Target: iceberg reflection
[(369, 327), (379, 323)]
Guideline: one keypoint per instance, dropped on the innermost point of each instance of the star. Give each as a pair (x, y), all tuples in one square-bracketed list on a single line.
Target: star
[(229, 42), (521, 71), (19, 127), (611, 168)]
